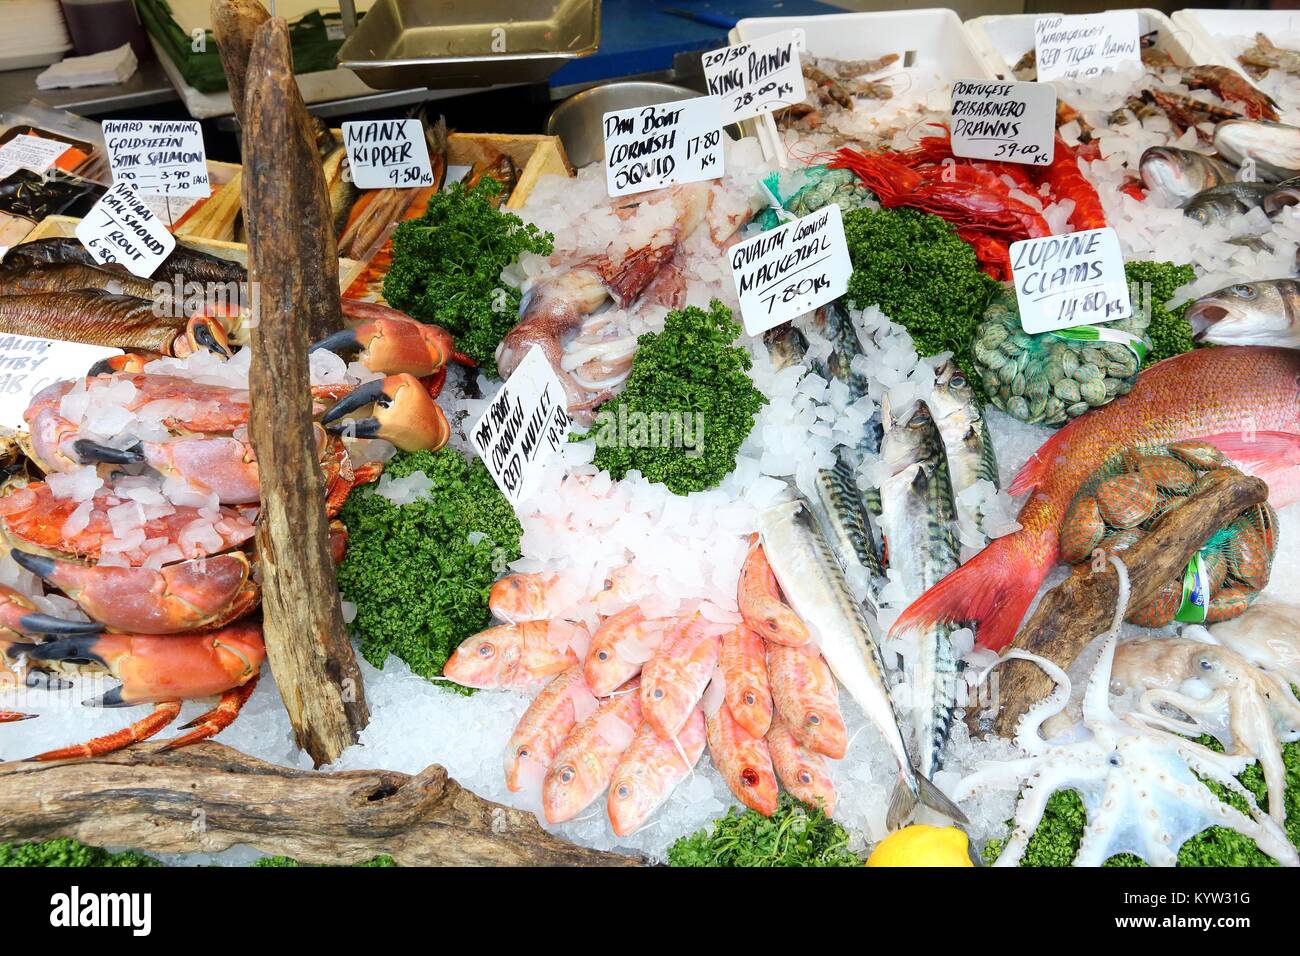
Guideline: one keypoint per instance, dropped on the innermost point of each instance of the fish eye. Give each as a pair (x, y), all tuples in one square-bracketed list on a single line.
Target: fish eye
[(749, 777), (959, 380), (1114, 760), (814, 719), (1205, 664), (623, 791), (805, 776), (486, 650), (602, 655), (1244, 291), (523, 752), (749, 698), (566, 774), (659, 693)]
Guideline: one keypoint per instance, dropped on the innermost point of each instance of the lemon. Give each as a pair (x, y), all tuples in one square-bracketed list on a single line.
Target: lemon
[(921, 845)]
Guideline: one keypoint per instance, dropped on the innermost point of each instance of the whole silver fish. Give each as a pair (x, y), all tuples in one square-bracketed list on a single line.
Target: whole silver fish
[(1249, 313), (963, 429), (1179, 174), (814, 584), (1275, 147), (1219, 203), (918, 522)]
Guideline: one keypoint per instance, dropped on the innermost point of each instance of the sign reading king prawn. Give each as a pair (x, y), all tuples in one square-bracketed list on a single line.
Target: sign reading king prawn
[(787, 272), (755, 78), (519, 435)]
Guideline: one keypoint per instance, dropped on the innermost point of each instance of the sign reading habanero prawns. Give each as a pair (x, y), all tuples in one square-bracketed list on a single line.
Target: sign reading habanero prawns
[(649, 147), (789, 271), (1003, 120)]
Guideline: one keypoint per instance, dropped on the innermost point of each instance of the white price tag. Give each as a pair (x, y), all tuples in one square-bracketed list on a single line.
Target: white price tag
[(1082, 46), (388, 153), (1075, 279), (791, 270), (522, 430), (28, 364), (649, 147), (30, 152), (755, 78), (158, 157), (1012, 122), (121, 228)]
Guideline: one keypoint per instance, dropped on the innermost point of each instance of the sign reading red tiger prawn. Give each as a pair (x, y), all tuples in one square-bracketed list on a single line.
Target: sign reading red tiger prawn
[(649, 147), (787, 272)]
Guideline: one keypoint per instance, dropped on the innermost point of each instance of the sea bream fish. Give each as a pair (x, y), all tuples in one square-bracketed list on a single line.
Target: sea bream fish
[(814, 584), (1249, 313), (1245, 400), (1274, 147), (918, 518), (1179, 174)]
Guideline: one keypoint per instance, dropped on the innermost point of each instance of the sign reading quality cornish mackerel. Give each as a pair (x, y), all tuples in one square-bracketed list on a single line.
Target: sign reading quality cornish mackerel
[(121, 228), (1076, 48), (1012, 122), (787, 272), (387, 153), (523, 428), (649, 147), (158, 158), (1064, 281), (756, 78)]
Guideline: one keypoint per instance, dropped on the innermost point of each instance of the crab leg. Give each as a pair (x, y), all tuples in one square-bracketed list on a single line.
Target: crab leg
[(218, 718), (164, 713), (9, 716)]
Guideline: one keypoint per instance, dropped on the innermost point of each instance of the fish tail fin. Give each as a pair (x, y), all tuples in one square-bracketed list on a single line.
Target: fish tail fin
[(991, 592), (913, 789)]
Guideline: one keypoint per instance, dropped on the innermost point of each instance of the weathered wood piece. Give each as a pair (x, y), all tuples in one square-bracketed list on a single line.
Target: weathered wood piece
[(294, 277), (209, 797), (1083, 606), (233, 24)]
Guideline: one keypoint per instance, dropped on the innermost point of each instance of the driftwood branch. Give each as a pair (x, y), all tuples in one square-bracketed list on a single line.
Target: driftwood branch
[(209, 797), (294, 276), (233, 24), (1073, 613)]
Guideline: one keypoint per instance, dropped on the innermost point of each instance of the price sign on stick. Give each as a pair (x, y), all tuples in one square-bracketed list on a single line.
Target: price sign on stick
[(121, 228), (388, 153), (29, 364), (1013, 122), (520, 434), (755, 78), (1070, 280), (649, 147), (1079, 47), (158, 158), (791, 270)]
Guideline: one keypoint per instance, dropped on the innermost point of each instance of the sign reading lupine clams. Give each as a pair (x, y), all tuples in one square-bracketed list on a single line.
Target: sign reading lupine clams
[(1064, 281), (787, 272), (158, 158), (649, 147), (29, 364), (521, 431), (1012, 122), (120, 228), (1082, 46), (755, 78), (388, 153)]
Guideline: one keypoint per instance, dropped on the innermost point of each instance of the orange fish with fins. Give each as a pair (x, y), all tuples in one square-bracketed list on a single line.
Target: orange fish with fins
[(1245, 400)]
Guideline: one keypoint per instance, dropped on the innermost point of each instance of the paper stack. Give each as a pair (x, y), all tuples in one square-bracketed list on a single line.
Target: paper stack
[(111, 66), (34, 33)]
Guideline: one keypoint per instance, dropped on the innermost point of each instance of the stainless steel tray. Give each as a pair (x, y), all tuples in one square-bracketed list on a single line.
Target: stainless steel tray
[(452, 43)]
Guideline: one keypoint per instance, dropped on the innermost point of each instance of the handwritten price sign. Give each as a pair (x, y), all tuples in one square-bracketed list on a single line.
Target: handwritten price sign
[(386, 154), (649, 147), (121, 228), (158, 158), (1076, 48), (1070, 280), (787, 272), (755, 78), (1015, 122)]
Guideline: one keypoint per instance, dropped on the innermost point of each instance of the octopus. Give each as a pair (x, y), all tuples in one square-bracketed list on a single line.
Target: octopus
[(1138, 782), (1267, 635), (1251, 711)]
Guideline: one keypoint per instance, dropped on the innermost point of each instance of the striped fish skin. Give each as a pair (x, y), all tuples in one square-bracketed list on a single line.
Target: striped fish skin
[(965, 433), (919, 519)]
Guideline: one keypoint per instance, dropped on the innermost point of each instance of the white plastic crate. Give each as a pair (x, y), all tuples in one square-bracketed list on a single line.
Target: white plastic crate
[(1206, 30), (1003, 40)]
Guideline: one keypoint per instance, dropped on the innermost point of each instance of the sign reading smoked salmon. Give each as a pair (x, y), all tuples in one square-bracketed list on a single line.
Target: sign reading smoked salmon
[(649, 147), (1075, 279), (158, 158), (789, 271)]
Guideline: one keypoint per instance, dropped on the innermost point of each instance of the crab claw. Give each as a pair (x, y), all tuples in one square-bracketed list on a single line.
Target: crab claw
[(8, 716), (18, 614), (92, 452), (203, 332), (132, 362), (390, 342), (404, 413)]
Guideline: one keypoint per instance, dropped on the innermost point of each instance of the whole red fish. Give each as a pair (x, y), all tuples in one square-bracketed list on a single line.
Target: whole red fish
[(1243, 399)]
